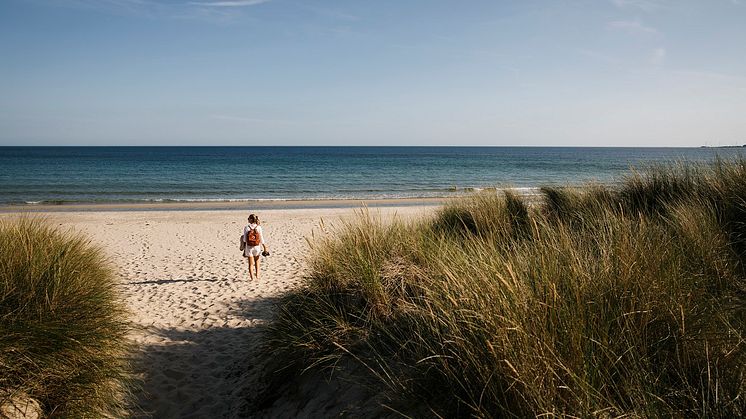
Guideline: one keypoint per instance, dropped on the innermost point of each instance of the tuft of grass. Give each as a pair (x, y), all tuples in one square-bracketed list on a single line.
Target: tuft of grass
[(62, 324), (598, 301)]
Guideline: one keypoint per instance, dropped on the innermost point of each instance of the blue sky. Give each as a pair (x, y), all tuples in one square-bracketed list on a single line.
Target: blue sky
[(406, 72)]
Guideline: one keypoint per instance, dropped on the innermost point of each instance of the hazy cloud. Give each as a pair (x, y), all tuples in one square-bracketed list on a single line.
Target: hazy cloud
[(599, 56), (644, 5), (127, 7), (252, 120), (734, 80), (235, 3), (658, 57), (328, 12), (213, 11), (633, 27)]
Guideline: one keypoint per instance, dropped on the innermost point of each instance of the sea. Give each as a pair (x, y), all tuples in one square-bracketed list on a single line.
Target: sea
[(59, 175)]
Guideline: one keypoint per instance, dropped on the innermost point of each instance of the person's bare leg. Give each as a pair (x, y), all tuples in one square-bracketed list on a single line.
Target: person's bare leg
[(256, 266), (251, 267)]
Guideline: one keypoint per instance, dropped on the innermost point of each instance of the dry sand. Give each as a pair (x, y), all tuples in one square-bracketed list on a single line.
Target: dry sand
[(194, 310)]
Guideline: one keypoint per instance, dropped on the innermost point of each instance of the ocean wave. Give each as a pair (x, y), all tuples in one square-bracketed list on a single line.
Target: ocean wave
[(338, 196), (227, 199)]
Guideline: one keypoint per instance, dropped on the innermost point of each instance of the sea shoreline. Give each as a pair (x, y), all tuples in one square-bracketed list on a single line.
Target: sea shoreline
[(224, 205)]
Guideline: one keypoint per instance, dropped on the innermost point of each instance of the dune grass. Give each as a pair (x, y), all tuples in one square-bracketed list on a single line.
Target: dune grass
[(62, 324), (597, 302)]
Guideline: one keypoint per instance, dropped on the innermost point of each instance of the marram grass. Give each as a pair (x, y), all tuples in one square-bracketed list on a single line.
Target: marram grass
[(62, 324), (597, 302)]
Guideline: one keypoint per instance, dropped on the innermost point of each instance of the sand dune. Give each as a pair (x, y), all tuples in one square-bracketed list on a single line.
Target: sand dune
[(194, 310)]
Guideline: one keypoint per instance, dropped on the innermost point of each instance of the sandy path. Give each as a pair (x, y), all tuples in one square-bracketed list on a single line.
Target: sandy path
[(194, 310)]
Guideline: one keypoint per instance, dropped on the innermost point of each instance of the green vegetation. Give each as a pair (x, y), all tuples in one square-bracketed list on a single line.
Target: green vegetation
[(62, 324), (595, 302)]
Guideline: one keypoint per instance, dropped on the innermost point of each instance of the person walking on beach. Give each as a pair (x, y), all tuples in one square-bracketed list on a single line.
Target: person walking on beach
[(255, 245)]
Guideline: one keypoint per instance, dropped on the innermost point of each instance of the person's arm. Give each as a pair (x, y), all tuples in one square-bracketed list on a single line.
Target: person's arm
[(265, 248)]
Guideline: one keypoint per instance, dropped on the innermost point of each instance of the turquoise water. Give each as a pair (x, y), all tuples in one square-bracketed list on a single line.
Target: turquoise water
[(155, 174)]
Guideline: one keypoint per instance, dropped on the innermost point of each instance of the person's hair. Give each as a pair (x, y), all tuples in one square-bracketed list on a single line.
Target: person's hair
[(253, 219)]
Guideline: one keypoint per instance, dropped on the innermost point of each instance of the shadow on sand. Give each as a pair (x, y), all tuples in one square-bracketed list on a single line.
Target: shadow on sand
[(226, 372), (174, 281), (203, 373)]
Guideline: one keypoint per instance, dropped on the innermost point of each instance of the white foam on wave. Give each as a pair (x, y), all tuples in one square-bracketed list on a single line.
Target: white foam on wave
[(423, 194), (223, 199), (526, 190)]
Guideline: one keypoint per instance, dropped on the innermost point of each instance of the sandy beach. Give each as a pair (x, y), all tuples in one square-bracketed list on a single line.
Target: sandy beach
[(195, 313)]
